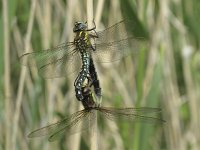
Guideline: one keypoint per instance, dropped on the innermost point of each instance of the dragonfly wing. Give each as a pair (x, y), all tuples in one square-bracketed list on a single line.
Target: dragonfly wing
[(82, 123), (131, 114), (119, 31), (56, 62), (118, 41), (50, 129), (131, 110), (61, 67), (77, 122), (108, 52)]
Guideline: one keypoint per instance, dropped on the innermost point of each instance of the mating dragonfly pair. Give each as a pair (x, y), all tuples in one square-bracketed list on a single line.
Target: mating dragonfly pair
[(109, 45)]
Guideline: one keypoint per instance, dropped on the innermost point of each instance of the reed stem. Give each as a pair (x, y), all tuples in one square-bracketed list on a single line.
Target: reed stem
[(93, 125), (7, 73)]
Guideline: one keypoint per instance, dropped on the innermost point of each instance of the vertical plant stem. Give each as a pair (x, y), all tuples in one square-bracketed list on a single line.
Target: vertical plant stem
[(93, 131), (7, 73), (22, 76), (89, 13), (99, 11)]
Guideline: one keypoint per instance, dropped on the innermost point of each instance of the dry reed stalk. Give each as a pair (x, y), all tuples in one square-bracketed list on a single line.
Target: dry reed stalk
[(192, 96), (127, 98), (99, 11), (44, 19), (171, 93), (191, 86), (19, 47), (22, 76), (72, 7), (93, 128), (107, 79), (7, 85), (74, 141)]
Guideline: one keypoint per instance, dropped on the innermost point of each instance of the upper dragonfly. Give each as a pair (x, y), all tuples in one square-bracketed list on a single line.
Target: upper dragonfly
[(111, 44), (108, 45)]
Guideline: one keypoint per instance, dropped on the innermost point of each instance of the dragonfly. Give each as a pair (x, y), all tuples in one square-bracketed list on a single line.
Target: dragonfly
[(83, 120), (110, 44)]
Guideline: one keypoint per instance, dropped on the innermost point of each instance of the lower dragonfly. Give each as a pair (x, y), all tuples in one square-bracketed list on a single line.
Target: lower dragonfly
[(108, 45), (83, 120)]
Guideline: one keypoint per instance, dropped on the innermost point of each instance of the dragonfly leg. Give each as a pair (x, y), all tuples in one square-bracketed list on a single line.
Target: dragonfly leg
[(93, 27), (93, 36), (93, 47)]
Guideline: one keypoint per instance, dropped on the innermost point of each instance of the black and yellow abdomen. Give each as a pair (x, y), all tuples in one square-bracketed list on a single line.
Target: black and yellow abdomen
[(82, 43)]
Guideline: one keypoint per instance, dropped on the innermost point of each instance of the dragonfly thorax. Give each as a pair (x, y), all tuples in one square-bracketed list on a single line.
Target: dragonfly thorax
[(82, 41)]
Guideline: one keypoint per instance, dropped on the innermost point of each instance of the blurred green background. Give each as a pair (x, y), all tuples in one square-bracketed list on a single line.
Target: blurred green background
[(166, 75)]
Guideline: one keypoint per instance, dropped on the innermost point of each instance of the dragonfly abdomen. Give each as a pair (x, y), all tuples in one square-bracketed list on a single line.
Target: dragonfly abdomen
[(82, 44), (82, 75), (95, 80)]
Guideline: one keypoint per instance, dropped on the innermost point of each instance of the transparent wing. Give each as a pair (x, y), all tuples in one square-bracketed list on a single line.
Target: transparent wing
[(56, 62), (108, 52), (132, 114), (81, 124), (118, 41), (79, 121), (119, 31)]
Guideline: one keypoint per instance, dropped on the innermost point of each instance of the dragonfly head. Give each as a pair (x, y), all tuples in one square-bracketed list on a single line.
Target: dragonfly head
[(79, 26)]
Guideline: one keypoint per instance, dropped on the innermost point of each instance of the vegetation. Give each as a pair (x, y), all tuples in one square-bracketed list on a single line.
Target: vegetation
[(166, 75)]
